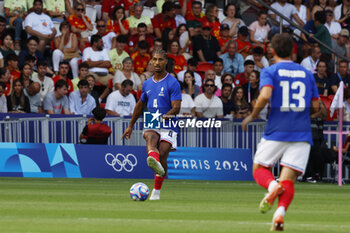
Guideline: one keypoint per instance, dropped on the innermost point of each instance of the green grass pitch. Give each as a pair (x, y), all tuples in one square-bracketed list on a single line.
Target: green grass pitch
[(104, 205)]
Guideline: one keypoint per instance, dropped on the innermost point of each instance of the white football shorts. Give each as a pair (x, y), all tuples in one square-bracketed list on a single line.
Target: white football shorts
[(167, 135), (294, 155)]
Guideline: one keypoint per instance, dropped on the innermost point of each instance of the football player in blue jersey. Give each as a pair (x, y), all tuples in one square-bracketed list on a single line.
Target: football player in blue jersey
[(161, 94), (292, 93)]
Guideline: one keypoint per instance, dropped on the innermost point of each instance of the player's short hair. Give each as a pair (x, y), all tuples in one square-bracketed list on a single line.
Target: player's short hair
[(161, 52), (249, 62), (127, 82), (60, 83), (83, 83), (283, 45), (99, 113), (84, 65)]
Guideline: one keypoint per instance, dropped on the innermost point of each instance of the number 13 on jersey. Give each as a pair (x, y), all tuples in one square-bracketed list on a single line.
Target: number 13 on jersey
[(298, 89)]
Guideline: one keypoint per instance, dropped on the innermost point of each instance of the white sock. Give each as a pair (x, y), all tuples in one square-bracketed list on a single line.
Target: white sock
[(156, 192), (280, 211), (272, 185)]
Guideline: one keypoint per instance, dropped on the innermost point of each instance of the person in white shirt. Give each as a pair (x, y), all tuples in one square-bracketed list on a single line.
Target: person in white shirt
[(121, 102), (98, 60), (39, 24), (187, 108), (46, 83), (333, 27), (310, 62), (207, 104), (108, 38), (258, 58), (81, 102)]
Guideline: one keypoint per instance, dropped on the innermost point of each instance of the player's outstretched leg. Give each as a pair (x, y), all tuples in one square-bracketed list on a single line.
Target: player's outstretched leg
[(154, 163), (158, 181)]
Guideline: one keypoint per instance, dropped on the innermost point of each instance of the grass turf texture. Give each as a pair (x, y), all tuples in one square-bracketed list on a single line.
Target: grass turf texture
[(104, 205)]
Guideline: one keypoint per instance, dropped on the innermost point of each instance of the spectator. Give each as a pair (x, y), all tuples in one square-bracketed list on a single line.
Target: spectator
[(5, 78), (166, 19), (206, 47), (212, 14), (192, 66), (82, 74), (56, 10), (93, 89), (12, 66), (26, 75), (141, 34), (179, 19), (285, 9), (189, 86), (268, 53), (108, 7), (233, 22), (141, 57), (242, 78), (241, 107), (311, 61), (340, 45), (258, 58), (98, 60), (31, 50), (224, 37), (81, 25), (7, 46), (127, 73), (174, 53), (333, 27), (108, 37), (137, 18), (17, 102), (121, 102), (187, 108), (56, 101), (207, 104), (62, 74), (302, 11), (117, 23), (158, 44), (33, 94), (228, 106), (233, 62), (322, 32), (341, 75), (251, 89), (148, 73), (259, 30), (218, 67), (66, 49), (3, 101), (194, 17), (15, 12), (167, 36), (341, 13), (80, 101), (227, 78), (118, 54), (321, 78), (45, 82), (321, 5), (96, 132), (39, 24), (243, 45)]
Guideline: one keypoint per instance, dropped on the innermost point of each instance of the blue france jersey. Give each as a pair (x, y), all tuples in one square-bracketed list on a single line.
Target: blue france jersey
[(294, 88), (159, 95)]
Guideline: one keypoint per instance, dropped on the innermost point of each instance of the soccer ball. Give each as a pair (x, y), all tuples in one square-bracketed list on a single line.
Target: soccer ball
[(139, 192)]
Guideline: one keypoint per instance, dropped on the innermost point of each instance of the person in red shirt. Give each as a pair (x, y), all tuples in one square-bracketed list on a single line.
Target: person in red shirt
[(243, 46), (12, 66), (141, 35), (212, 14), (195, 18), (62, 74), (81, 25), (141, 57), (108, 7), (224, 37), (242, 78), (118, 23), (166, 19), (180, 60)]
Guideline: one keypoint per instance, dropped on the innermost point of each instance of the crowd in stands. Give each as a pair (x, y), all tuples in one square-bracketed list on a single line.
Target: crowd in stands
[(57, 58)]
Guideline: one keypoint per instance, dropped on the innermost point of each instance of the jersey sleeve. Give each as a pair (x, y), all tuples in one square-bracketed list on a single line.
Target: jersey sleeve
[(144, 97), (175, 91), (266, 78)]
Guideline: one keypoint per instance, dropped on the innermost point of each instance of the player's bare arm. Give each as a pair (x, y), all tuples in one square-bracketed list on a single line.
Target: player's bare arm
[(138, 110), (263, 99), (175, 109), (315, 106)]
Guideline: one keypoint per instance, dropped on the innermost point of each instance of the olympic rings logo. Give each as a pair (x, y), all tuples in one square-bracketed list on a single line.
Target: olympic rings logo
[(120, 162)]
